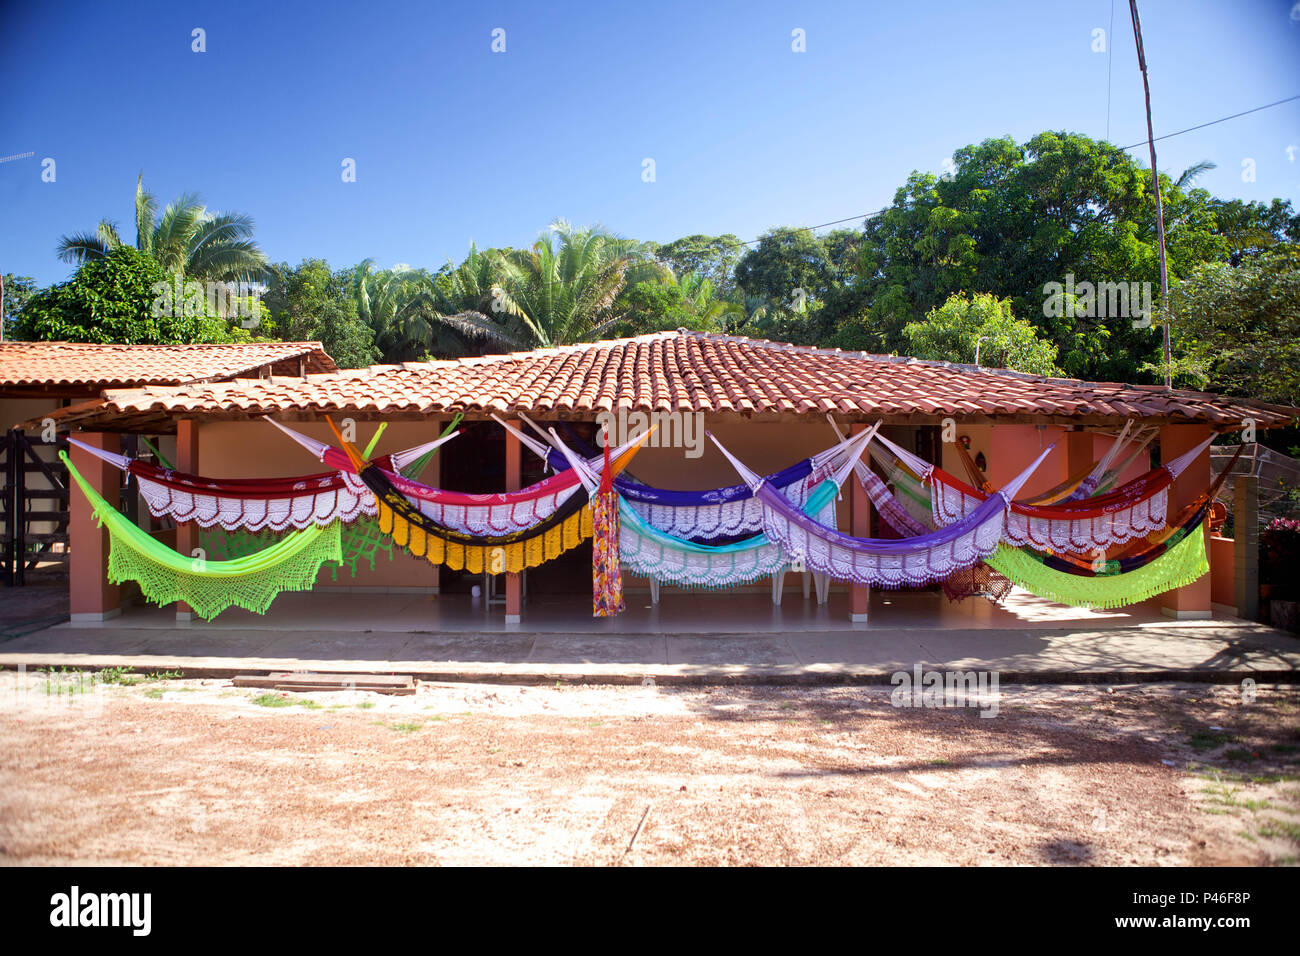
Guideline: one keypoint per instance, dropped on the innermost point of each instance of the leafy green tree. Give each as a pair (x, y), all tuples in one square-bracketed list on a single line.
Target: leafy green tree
[(186, 239), (710, 257), (982, 326), (16, 290), (673, 302), (313, 303), (116, 299), (1237, 330), (1013, 218)]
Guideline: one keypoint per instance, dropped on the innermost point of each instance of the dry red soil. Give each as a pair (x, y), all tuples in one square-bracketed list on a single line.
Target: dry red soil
[(199, 772)]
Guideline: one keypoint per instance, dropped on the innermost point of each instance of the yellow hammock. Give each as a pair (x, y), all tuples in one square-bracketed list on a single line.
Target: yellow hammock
[(511, 557)]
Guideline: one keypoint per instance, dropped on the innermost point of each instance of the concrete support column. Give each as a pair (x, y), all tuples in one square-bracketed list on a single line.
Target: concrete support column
[(514, 466), (1245, 546), (1192, 601), (859, 526), (91, 597), (187, 533)]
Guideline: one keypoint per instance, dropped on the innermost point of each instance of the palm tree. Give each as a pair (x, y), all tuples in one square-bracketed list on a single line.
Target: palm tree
[(390, 302), (702, 299), (561, 290), (187, 239), (1193, 173)]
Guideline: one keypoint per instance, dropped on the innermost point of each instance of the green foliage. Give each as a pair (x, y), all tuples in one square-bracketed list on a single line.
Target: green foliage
[(17, 290), (666, 303), (1013, 218), (185, 239), (710, 257), (1237, 330), (954, 331), (112, 299), (312, 303)]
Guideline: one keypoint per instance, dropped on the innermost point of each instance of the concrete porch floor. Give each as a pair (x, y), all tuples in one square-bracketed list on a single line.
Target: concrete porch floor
[(690, 637)]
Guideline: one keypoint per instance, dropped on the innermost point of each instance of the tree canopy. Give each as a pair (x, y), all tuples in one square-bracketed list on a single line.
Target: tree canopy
[(115, 298)]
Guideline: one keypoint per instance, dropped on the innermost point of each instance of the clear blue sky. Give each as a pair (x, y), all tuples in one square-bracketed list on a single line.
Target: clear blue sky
[(455, 143)]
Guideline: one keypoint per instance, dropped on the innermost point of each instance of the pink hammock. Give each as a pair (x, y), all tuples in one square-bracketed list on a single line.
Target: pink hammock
[(253, 503), (478, 514), (1081, 527), (876, 561)]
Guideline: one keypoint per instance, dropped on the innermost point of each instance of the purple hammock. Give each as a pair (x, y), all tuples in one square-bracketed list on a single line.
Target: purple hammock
[(884, 562)]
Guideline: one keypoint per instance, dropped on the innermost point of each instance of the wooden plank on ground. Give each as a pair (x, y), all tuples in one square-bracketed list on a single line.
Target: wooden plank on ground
[(285, 680)]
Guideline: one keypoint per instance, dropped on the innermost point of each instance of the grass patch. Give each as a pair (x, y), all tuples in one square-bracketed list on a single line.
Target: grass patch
[(118, 675), (1240, 754), (1210, 739), (365, 705), (405, 728), (273, 700), (1283, 829), (165, 675), (154, 693), (941, 762)]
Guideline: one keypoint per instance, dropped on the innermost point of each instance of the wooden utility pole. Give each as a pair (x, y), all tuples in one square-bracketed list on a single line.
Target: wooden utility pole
[(1155, 185)]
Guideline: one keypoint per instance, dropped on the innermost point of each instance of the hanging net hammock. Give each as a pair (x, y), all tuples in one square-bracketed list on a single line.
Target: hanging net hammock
[(563, 529), (661, 557), (362, 542), (473, 514), (1082, 526), (884, 562), (712, 516), (209, 587), (252, 503), (1180, 565)]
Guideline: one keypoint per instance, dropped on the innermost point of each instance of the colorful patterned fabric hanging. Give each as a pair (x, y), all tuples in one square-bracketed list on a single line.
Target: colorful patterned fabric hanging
[(606, 571), (209, 587), (1131, 511), (473, 514)]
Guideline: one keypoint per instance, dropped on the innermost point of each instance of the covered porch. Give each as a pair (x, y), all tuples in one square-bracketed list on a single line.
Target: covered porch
[(767, 401)]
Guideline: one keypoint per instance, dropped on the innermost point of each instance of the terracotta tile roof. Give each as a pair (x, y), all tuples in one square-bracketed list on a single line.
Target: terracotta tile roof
[(680, 371), (115, 366)]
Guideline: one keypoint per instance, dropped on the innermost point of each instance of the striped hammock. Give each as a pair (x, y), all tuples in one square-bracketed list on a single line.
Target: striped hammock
[(1084, 526)]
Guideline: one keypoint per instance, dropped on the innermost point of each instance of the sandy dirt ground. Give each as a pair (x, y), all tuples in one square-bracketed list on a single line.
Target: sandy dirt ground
[(200, 772)]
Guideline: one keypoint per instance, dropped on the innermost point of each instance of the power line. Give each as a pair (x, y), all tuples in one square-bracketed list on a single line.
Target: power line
[(1222, 119)]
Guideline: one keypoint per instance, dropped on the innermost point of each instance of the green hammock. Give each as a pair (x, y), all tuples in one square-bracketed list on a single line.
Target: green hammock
[(209, 587), (1182, 564), (362, 541)]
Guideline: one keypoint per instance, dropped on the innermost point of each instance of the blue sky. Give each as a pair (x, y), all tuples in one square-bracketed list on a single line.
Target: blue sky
[(454, 142)]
